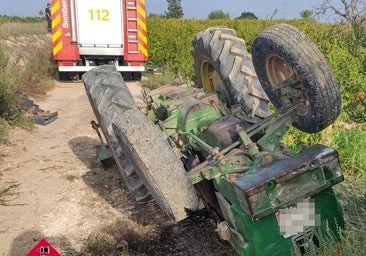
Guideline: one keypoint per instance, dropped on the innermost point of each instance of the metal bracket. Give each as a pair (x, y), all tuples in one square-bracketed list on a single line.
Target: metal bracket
[(103, 153)]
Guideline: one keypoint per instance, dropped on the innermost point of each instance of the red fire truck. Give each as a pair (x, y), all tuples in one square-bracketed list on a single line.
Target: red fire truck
[(97, 32)]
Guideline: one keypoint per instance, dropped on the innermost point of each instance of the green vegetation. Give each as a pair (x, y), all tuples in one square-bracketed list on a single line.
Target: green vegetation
[(21, 28), (247, 15), (71, 177), (10, 19), (218, 15), (104, 244), (10, 99), (8, 96), (307, 14), (115, 239), (22, 70), (101, 243), (175, 10), (35, 79), (351, 148), (153, 81), (170, 40), (350, 244)]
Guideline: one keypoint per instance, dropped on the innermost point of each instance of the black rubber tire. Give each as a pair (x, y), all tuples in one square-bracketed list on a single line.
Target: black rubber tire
[(109, 98), (62, 76), (156, 161), (136, 76), (218, 49), (317, 84), (131, 76)]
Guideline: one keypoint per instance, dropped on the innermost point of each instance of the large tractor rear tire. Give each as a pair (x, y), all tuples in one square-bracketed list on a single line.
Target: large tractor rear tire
[(223, 65), (293, 71), (156, 162), (109, 98)]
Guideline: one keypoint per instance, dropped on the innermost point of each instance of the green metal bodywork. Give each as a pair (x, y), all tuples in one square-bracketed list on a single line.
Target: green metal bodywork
[(255, 177), (263, 237)]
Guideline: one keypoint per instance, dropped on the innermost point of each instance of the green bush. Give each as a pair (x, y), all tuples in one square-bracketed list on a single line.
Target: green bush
[(170, 39), (350, 144), (153, 81), (9, 99), (296, 138), (36, 77), (29, 73), (351, 243), (8, 19)]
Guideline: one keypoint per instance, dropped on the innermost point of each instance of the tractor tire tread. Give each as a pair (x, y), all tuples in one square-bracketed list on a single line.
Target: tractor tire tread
[(228, 54), (162, 171), (109, 98), (309, 64)]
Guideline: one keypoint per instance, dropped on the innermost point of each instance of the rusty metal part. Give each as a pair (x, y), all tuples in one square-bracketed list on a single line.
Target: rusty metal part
[(284, 80), (103, 153), (269, 188), (225, 131)]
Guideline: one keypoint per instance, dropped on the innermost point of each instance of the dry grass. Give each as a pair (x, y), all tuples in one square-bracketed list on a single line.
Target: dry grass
[(118, 238), (22, 29), (8, 193), (35, 79), (4, 128)]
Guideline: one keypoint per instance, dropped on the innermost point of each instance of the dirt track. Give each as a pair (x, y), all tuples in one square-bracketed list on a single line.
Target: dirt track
[(64, 195)]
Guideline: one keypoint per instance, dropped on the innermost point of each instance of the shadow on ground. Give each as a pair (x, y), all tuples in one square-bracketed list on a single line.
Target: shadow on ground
[(26, 241), (147, 232), (108, 183)]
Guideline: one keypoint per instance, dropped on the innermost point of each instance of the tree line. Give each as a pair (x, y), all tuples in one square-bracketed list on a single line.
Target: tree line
[(347, 11)]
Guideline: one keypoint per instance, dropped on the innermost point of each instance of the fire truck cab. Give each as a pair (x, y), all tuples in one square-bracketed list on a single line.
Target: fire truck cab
[(97, 32)]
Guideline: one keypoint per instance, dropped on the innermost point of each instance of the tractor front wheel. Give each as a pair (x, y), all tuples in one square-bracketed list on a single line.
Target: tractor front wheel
[(293, 71)]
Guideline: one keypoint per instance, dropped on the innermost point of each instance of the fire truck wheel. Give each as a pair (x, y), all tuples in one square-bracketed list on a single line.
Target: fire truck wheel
[(109, 98), (131, 76), (293, 71), (62, 76), (136, 76), (223, 65), (156, 161)]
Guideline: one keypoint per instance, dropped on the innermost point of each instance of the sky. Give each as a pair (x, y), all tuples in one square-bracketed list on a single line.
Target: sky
[(197, 9)]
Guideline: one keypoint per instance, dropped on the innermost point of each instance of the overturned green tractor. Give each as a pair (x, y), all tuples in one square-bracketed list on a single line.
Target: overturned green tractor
[(220, 146)]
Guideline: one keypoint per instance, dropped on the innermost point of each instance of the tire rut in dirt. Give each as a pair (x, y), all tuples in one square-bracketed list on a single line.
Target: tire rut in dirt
[(219, 50), (109, 98), (162, 170), (286, 45)]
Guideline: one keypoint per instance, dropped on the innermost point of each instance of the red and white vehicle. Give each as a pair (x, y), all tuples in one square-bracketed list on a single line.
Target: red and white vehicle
[(96, 32)]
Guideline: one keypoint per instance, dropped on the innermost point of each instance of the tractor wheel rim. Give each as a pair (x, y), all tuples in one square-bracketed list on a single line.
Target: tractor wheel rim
[(278, 71), (211, 82)]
